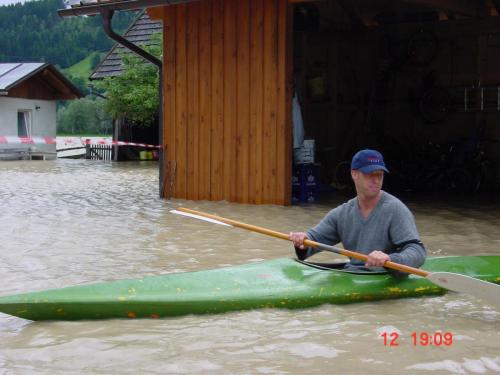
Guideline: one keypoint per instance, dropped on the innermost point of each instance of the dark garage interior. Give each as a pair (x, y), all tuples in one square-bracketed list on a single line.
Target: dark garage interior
[(417, 80)]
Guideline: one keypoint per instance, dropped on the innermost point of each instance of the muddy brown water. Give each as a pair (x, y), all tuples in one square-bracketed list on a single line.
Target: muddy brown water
[(68, 222)]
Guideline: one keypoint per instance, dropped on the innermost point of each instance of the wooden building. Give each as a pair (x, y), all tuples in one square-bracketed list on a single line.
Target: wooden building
[(394, 75), (227, 101)]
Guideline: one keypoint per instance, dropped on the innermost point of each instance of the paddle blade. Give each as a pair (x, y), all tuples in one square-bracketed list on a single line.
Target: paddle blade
[(489, 292), (199, 217)]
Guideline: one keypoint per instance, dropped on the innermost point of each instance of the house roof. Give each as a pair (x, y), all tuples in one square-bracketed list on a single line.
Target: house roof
[(138, 33), (14, 74), (468, 8)]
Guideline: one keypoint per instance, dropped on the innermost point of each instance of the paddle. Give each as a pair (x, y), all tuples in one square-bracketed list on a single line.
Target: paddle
[(452, 281)]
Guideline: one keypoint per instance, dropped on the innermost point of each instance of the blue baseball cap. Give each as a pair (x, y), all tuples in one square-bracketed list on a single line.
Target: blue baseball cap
[(368, 161)]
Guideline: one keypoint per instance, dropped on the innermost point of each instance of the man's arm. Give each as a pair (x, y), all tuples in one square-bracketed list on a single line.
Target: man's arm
[(325, 232), (408, 249), (412, 254)]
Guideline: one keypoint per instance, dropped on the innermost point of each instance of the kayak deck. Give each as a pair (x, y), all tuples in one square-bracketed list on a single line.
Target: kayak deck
[(279, 283)]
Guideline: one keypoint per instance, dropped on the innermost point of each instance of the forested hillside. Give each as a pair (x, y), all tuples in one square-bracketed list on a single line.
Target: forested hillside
[(33, 31)]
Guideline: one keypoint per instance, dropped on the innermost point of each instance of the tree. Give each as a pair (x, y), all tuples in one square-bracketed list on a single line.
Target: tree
[(83, 116), (134, 93), (33, 31), (79, 82)]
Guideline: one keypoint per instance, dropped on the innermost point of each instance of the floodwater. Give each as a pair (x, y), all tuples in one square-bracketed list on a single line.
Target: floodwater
[(68, 222)]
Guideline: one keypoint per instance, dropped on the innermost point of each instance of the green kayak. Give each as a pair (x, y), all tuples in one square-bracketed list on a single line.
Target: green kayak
[(280, 283)]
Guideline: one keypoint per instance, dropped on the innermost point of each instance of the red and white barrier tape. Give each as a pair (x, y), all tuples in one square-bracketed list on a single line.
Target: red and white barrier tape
[(52, 140), (27, 140), (117, 143)]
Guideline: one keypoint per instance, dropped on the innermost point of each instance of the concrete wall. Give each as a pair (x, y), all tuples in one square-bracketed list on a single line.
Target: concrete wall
[(43, 121)]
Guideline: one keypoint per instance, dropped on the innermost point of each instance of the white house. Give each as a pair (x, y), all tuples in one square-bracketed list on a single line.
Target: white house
[(28, 95)]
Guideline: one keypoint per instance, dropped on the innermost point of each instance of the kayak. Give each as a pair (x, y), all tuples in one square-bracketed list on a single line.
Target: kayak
[(279, 283)]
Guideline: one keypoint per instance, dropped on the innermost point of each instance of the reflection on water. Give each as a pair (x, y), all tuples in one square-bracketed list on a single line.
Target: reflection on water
[(69, 222)]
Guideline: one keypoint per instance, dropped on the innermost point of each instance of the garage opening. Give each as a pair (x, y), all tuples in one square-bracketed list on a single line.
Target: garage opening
[(418, 82)]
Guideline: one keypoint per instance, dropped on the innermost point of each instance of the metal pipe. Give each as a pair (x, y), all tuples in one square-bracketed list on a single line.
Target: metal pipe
[(107, 15)]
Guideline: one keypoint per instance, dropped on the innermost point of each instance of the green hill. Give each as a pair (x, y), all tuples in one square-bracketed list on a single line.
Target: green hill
[(33, 31), (84, 68), (79, 73)]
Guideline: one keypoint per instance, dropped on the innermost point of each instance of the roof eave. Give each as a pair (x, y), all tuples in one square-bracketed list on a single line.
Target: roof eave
[(70, 85), (26, 76), (96, 8), (45, 66)]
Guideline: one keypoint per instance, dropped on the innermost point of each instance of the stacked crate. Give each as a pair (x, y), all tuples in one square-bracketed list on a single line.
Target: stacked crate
[(305, 182)]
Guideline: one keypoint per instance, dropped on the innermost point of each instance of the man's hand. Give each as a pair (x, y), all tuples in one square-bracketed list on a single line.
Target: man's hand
[(377, 258), (298, 239)]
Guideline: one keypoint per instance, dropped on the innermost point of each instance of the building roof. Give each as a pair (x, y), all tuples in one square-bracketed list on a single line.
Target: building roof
[(138, 33), (468, 8), (14, 74), (92, 7)]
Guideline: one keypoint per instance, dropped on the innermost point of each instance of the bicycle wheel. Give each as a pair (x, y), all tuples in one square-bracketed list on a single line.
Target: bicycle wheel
[(453, 181), (422, 47)]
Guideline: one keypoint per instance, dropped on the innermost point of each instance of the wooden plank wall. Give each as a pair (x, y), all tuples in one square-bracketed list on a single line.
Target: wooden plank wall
[(227, 101)]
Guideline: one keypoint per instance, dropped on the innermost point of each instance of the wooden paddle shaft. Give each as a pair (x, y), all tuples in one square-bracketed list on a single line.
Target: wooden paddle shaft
[(269, 232)]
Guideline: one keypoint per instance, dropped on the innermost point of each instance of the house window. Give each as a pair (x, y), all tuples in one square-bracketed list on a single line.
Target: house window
[(24, 123)]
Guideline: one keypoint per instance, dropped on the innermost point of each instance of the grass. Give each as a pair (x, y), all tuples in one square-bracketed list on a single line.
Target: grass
[(83, 68)]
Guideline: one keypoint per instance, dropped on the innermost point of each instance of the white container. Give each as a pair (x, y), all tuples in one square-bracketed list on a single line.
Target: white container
[(305, 153), (309, 143)]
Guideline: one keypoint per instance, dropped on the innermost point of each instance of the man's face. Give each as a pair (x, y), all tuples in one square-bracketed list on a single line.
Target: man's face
[(368, 184)]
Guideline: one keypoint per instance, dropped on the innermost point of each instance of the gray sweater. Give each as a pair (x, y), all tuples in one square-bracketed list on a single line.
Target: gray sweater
[(390, 227)]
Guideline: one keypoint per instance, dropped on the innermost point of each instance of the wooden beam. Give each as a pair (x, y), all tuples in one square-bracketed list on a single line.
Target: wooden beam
[(204, 92), (169, 98), (192, 104), (181, 102), (229, 98), (217, 111), (470, 8), (156, 13), (52, 80), (256, 102)]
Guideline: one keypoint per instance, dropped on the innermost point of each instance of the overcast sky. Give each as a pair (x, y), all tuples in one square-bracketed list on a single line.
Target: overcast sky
[(7, 2)]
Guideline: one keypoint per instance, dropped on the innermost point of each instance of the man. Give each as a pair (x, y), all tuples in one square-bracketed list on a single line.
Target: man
[(374, 223)]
